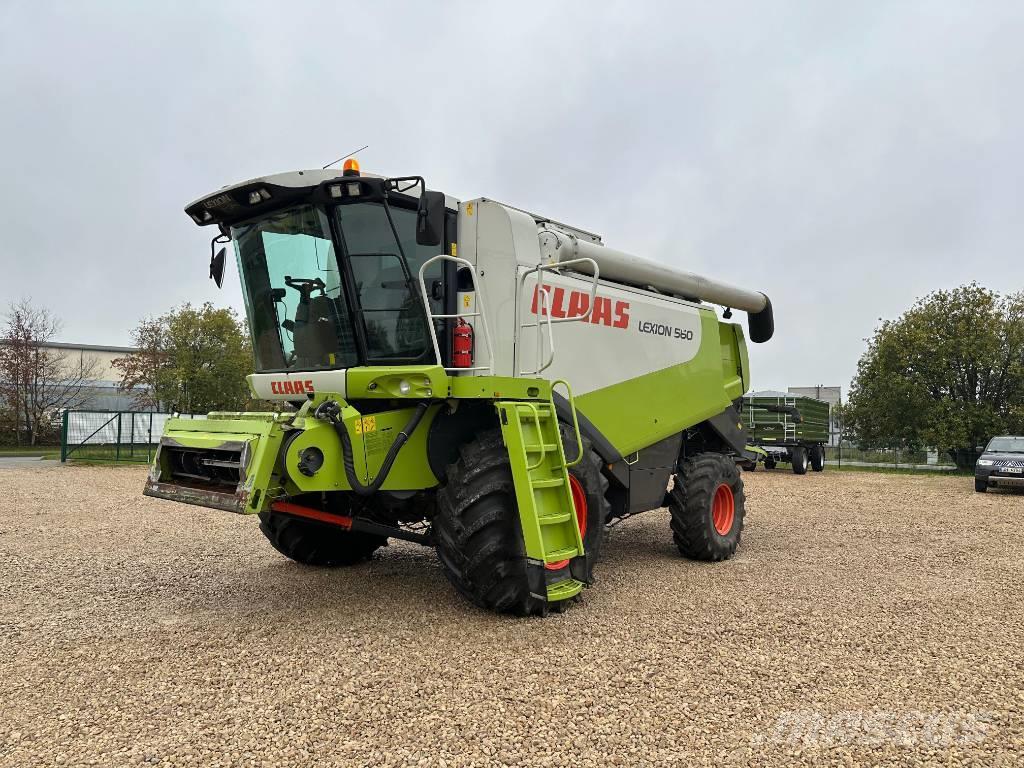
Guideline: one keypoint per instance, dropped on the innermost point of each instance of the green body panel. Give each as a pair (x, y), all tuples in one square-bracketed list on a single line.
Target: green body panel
[(431, 381), (499, 388), (639, 412), (734, 360), (425, 381), (371, 438), (767, 426), (543, 495)]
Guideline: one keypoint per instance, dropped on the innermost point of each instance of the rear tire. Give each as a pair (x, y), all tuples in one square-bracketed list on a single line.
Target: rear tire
[(798, 458), (702, 527), (479, 536), (980, 486), (818, 458), (770, 464), (317, 544)]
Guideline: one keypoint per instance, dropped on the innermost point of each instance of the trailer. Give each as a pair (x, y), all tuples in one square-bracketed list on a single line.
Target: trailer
[(786, 428), (469, 376)]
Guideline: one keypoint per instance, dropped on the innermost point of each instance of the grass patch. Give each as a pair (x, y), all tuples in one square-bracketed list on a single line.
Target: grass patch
[(111, 454), (89, 461), (14, 451), (893, 470)]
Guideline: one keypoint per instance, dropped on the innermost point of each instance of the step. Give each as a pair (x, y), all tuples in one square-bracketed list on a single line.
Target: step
[(557, 555), (537, 448), (554, 482), (554, 519), (527, 416), (526, 413), (563, 590)]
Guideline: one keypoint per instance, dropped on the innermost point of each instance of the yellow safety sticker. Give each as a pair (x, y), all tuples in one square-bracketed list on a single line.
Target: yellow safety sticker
[(330, 358), (469, 209), (467, 300), (455, 251), (359, 426), (369, 424)]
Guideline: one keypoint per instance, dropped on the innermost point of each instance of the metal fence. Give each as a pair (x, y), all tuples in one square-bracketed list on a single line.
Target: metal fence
[(130, 436), (888, 457)]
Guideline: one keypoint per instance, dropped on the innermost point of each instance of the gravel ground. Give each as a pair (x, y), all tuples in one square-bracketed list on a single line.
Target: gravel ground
[(866, 619)]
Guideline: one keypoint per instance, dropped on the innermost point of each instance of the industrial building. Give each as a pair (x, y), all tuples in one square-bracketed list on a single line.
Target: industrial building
[(104, 392)]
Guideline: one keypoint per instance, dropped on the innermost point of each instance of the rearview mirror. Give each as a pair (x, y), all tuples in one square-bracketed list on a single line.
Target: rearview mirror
[(430, 218), (217, 267)]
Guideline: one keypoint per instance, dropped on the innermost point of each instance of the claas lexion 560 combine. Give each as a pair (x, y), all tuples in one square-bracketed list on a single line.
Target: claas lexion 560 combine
[(469, 376)]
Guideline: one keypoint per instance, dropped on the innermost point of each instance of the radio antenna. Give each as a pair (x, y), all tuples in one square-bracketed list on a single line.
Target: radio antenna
[(343, 157)]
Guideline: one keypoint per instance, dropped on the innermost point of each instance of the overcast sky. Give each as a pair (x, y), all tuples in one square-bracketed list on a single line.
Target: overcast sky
[(844, 158)]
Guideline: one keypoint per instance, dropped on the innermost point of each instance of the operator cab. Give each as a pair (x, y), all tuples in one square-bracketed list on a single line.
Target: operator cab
[(329, 265)]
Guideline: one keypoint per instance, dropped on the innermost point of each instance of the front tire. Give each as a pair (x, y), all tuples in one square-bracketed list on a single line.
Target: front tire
[(980, 486), (798, 458), (708, 507), (317, 544), (479, 536)]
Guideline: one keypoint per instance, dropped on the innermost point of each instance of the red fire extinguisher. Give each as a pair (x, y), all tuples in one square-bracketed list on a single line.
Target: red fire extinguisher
[(462, 345)]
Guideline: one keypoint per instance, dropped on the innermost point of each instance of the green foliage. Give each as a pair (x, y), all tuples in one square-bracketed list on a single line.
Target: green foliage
[(948, 373), (191, 359)]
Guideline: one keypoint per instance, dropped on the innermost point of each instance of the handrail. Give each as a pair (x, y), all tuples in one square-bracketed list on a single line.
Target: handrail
[(544, 307), (540, 434), (481, 313), (575, 422)]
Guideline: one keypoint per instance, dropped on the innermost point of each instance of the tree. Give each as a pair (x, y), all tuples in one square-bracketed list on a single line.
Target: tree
[(37, 382), (191, 359), (949, 373)]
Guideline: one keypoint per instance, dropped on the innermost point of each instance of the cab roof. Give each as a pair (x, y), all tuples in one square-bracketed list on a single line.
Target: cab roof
[(293, 184)]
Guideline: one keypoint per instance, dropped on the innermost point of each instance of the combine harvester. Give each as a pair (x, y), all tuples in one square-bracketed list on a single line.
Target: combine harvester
[(786, 428), (468, 376)]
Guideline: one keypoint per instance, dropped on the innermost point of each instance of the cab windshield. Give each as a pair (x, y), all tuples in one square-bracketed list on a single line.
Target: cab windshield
[(314, 303)]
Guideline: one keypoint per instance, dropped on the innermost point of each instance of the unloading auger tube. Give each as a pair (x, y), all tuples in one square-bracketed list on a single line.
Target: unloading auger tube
[(557, 246)]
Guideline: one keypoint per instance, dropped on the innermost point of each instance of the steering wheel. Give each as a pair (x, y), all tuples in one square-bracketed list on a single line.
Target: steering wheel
[(305, 286)]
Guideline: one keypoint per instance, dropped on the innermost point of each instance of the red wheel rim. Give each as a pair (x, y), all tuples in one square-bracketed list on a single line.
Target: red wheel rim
[(723, 509), (579, 502)]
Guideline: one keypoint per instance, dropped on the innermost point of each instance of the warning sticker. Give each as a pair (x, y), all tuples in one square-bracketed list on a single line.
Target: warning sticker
[(379, 442), (366, 424)]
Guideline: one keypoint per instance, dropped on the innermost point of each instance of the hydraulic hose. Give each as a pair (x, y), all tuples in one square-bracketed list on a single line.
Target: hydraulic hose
[(331, 411)]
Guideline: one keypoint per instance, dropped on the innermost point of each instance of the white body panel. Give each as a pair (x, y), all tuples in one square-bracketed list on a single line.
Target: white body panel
[(502, 240), (630, 333), (295, 386)]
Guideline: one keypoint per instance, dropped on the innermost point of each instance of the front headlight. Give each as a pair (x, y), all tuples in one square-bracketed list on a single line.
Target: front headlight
[(985, 462)]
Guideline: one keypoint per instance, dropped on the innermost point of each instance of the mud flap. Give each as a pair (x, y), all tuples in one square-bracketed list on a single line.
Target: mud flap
[(729, 426)]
